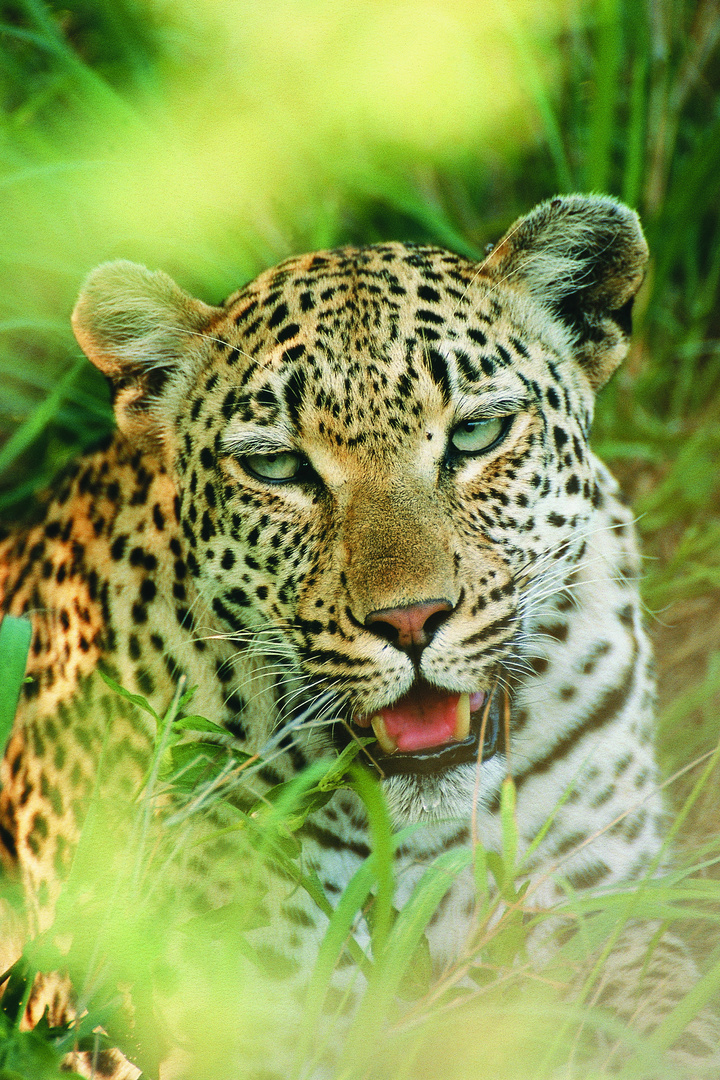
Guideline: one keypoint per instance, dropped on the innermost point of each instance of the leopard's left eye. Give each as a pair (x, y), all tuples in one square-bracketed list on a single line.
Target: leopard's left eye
[(275, 468), (475, 436)]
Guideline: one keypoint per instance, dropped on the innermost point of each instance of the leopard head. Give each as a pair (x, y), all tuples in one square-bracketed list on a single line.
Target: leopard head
[(381, 457)]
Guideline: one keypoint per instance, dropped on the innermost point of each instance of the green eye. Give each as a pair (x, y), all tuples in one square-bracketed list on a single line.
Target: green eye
[(474, 436), (274, 467)]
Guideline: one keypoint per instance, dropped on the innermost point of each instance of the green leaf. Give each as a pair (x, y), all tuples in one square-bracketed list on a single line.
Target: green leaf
[(339, 933), (496, 866), (234, 914), (192, 764), (186, 698), (294, 800), (417, 977), (336, 775), (15, 635), (197, 723), (369, 790), (136, 699)]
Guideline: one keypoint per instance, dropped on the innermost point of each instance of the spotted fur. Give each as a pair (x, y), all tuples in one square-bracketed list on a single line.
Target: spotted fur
[(166, 553)]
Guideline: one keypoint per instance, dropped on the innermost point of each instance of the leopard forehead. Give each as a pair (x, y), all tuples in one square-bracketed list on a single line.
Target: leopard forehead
[(365, 347)]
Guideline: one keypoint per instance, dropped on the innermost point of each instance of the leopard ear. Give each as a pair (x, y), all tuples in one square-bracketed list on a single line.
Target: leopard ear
[(142, 331), (584, 257)]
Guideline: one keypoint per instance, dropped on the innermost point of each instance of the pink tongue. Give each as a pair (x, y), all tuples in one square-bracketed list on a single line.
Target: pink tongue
[(424, 717)]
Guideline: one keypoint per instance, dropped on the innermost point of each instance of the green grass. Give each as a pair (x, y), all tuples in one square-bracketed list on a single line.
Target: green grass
[(493, 1012), (212, 145)]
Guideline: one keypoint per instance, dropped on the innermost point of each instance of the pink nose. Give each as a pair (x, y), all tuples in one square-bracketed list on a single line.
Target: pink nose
[(409, 628)]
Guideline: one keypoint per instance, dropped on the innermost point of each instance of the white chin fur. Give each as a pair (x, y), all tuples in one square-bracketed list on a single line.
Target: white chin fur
[(447, 797)]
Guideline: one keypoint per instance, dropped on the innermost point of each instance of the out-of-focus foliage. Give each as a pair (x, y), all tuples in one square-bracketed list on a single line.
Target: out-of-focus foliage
[(233, 131), (136, 912)]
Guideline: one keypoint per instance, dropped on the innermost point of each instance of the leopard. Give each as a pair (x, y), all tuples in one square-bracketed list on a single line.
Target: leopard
[(356, 504)]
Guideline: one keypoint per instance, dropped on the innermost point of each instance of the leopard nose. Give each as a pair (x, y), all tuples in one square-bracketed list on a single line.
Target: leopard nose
[(409, 628)]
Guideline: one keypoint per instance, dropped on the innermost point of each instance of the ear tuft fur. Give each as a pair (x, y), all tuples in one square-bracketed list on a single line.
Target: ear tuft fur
[(139, 328), (583, 257), (128, 317)]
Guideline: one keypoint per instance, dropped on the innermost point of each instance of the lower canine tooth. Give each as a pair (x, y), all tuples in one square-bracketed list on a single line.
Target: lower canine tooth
[(462, 723), (387, 743)]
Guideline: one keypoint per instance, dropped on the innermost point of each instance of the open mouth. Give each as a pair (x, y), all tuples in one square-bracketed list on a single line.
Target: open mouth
[(429, 730)]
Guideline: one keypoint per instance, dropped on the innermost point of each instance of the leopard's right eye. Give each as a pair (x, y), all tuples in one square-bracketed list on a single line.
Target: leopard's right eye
[(275, 468), (474, 437)]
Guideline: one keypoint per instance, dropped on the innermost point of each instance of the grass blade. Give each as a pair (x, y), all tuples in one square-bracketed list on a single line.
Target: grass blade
[(602, 119), (26, 434), (15, 637)]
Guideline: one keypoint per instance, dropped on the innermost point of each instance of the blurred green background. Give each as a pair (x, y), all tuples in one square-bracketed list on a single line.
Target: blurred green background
[(213, 137)]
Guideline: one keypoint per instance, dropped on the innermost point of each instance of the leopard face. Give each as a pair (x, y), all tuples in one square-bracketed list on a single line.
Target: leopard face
[(385, 506), (381, 463)]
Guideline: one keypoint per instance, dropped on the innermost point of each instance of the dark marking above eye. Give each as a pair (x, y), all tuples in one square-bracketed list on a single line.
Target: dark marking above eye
[(228, 405), (440, 374), (466, 366), (294, 391)]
